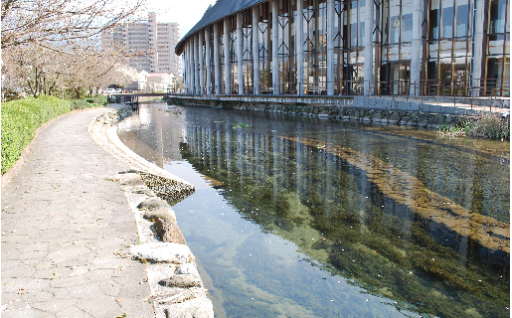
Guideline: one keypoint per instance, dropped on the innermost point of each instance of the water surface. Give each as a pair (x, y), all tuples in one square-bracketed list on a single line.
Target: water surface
[(307, 217)]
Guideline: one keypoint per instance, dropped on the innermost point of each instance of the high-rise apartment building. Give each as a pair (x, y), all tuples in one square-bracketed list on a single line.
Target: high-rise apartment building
[(156, 38)]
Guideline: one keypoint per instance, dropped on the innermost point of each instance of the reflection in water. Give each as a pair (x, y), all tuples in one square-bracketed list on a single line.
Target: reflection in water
[(339, 219)]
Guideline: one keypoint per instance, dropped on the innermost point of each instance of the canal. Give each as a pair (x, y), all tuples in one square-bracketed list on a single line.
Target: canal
[(305, 217)]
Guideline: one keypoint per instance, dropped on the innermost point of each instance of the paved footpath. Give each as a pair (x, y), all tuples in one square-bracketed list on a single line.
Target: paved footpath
[(61, 222)]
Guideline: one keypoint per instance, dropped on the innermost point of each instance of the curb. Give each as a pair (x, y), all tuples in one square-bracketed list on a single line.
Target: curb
[(9, 175)]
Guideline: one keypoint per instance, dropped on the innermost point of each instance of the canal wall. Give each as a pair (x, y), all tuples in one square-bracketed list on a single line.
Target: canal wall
[(367, 109), (176, 287)]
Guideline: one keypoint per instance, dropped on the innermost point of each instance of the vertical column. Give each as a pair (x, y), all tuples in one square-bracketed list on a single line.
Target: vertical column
[(196, 63), (216, 57), (187, 65), (208, 63), (255, 51), (192, 62), (417, 47), (275, 46), (478, 46), (330, 47), (201, 62), (368, 48), (186, 69), (299, 33), (240, 52), (227, 57)]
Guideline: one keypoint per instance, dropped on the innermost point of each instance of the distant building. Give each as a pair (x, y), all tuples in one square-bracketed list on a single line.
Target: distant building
[(160, 38)]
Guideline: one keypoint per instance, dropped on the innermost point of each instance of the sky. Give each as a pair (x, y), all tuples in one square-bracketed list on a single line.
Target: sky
[(186, 12)]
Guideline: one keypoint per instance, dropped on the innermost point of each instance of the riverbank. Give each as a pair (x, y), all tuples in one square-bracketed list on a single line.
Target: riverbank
[(62, 220), (396, 111)]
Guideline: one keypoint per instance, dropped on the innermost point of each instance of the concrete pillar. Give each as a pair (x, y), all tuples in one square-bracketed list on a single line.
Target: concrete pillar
[(216, 57), (192, 72), (275, 47), (196, 63), (227, 57), (478, 46), (187, 78), (189, 69), (417, 47), (368, 48), (201, 62), (299, 41), (240, 52), (330, 47), (208, 63), (255, 51)]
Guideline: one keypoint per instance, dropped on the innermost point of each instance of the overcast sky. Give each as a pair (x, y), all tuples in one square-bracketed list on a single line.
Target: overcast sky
[(186, 12)]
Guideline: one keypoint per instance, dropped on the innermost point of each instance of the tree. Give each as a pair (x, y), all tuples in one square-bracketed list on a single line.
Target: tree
[(45, 21)]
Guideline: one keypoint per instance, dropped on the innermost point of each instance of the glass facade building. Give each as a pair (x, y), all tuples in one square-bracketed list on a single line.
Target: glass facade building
[(352, 47)]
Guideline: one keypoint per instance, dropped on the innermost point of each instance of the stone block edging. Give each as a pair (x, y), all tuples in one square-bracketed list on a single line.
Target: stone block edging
[(9, 175)]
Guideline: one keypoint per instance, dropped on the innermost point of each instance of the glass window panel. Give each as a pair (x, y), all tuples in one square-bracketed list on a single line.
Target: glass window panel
[(406, 21), (384, 53), (353, 23), (432, 49), (446, 49), (460, 48), (445, 70), (496, 44), (495, 69), (405, 52), (394, 21), (447, 18), (360, 56), (497, 16), (506, 76), (459, 70), (393, 52), (434, 19), (462, 18), (385, 23), (362, 17), (432, 69), (353, 57)]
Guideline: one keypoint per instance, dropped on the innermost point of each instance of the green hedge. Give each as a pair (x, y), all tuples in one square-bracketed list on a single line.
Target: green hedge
[(21, 118)]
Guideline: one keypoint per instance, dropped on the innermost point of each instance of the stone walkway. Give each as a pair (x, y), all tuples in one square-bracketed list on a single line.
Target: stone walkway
[(61, 222)]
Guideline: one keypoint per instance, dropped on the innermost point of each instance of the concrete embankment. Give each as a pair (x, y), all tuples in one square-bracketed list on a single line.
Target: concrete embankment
[(368, 109), (175, 284)]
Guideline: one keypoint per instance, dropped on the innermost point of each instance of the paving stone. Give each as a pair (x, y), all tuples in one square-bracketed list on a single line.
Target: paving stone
[(74, 312), (54, 306), (101, 306), (26, 313)]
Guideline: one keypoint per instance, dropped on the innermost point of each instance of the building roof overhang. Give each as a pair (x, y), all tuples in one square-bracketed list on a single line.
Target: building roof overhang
[(219, 11)]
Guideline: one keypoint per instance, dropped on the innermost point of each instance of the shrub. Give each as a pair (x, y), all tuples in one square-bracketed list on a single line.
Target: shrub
[(20, 119), (486, 125), (89, 100)]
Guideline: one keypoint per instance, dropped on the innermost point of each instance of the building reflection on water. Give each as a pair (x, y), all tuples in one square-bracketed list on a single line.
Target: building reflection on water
[(369, 211)]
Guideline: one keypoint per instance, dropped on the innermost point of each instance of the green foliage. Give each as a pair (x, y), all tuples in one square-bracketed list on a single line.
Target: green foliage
[(241, 125), (98, 100), (21, 118), (486, 125)]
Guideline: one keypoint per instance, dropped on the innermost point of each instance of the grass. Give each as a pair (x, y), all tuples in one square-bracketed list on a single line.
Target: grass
[(486, 125), (98, 100), (22, 117)]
